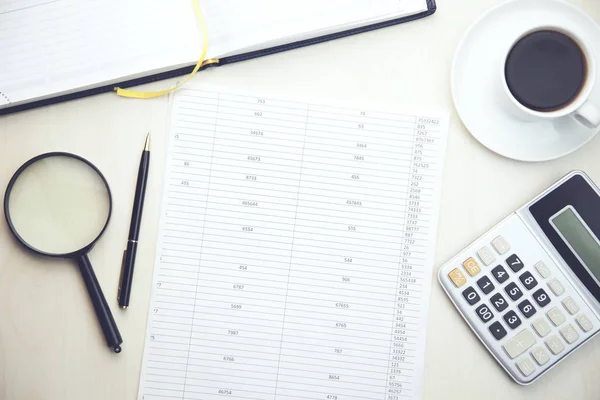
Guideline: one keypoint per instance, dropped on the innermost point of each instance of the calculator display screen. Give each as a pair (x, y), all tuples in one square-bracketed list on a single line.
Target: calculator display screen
[(579, 238)]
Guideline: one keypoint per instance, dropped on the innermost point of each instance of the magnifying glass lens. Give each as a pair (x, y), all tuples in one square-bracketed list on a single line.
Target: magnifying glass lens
[(59, 205)]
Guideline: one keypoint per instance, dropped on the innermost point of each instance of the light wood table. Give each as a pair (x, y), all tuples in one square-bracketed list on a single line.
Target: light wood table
[(50, 345)]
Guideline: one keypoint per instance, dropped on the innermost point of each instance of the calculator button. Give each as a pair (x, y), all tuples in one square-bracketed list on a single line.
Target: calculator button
[(497, 330), (486, 256), (584, 323), (528, 280), (471, 266), (499, 302), (514, 263), (500, 274), (471, 295), (526, 308), (541, 297), (569, 333), (556, 287), (457, 277), (485, 285), (500, 245), (512, 319), (571, 306), (555, 344), (484, 312), (542, 269), (519, 344), (513, 291), (526, 366), (541, 326), (540, 355), (556, 316)]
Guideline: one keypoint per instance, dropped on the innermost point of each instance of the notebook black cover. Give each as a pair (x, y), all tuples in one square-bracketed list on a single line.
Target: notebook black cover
[(431, 8)]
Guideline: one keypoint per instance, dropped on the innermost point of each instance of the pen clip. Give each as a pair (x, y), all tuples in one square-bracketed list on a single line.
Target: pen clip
[(121, 274)]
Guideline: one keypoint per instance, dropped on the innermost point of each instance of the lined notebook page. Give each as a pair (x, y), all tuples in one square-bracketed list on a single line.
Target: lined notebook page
[(295, 250), (59, 46), (260, 24), (53, 47)]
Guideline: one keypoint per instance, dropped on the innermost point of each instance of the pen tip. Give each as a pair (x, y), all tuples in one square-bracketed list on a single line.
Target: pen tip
[(147, 143)]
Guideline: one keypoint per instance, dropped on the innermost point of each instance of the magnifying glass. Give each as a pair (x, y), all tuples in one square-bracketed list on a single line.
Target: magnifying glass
[(58, 205)]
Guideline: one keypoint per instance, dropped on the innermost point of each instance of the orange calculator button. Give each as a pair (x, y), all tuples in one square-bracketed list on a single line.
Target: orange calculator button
[(457, 277), (471, 266)]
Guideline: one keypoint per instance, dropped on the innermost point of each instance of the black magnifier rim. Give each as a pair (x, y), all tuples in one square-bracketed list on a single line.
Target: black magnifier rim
[(16, 176)]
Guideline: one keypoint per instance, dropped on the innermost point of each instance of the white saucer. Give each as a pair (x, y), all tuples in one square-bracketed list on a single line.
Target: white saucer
[(477, 69)]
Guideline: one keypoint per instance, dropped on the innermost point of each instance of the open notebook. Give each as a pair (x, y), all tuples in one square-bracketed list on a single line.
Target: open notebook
[(55, 50)]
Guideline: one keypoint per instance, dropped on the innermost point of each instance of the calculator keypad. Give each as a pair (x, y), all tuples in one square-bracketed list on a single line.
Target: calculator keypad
[(512, 319), (485, 285), (541, 298), (555, 345), (499, 302), (569, 333), (571, 306), (515, 263), (486, 256), (527, 309), (541, 327), (556, 316), (528, 280), (457, 277), (513, 291), (542, 269), (528, 313), (471, 266), (484, 313), (520, 343), (556, 287), (500, 274), (540, 355), (497, 330), (471, 295), (500, 245), (526, 366), (584, 323)]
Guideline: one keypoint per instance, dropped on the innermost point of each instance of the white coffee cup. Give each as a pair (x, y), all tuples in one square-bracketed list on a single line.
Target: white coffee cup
[(580, 108)]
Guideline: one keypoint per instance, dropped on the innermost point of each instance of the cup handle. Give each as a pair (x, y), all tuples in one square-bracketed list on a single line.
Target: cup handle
[(588, 115)]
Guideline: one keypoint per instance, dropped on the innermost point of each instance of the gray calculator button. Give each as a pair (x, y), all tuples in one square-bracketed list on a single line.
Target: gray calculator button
[(500, 245), (500, 274), (584, 323), (542, 269), (571, 306), (499, 302), (540, 355), (471, 295), (556, 316), (525, 366), (484, 313), (541, 326), (485, 285), (528, 280), (486, 256), (541, 298), (497, 330), (569, 333), (556, 287), (555, 344), (519, 344)]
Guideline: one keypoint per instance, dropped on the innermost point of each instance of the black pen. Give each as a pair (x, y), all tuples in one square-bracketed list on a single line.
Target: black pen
[(134, 229)]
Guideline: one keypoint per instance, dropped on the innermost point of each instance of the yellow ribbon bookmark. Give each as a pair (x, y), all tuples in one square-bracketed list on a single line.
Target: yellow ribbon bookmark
[(134, 94)]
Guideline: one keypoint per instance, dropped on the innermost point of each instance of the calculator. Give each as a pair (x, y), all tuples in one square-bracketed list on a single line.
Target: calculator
[(530, 287)]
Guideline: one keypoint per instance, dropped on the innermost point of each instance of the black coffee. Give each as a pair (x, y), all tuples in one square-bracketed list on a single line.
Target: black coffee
[(545, 70)]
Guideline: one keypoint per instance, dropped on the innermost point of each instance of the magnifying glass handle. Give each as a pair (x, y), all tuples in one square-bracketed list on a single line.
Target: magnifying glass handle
[(105, 318)]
